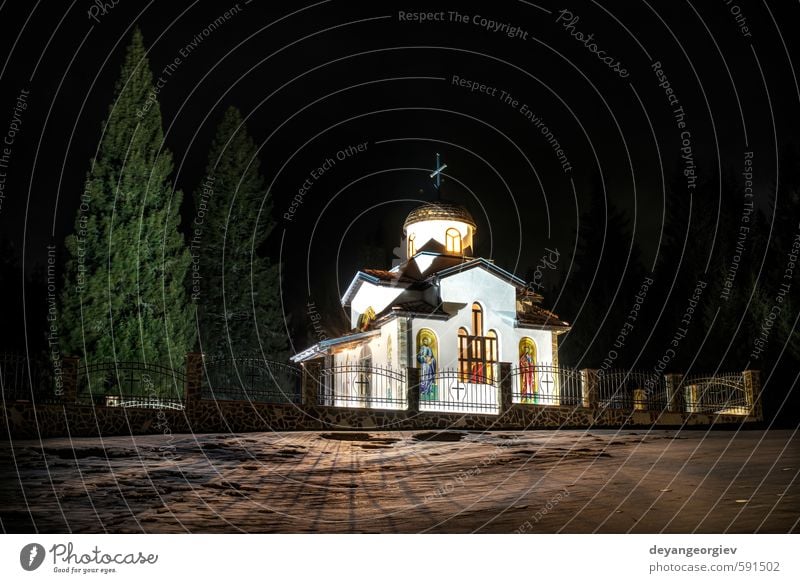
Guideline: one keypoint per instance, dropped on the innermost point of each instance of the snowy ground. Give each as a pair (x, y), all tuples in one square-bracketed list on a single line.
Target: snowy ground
[(540, 481)]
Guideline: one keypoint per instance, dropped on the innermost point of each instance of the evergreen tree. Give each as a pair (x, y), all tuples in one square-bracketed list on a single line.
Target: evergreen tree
[(238, 296), (606, 273), (725, 316), (683, 265), (782, 232), (124, 296)]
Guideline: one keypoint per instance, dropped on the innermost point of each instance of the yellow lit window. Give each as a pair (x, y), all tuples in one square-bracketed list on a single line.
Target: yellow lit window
[(452, 241)]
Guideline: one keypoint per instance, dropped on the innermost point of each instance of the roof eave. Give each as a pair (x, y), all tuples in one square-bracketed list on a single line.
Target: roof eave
[(321, 348), (478, 262)]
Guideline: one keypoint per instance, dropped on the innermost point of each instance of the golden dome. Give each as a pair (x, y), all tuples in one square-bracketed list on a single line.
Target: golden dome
[(439, 211)]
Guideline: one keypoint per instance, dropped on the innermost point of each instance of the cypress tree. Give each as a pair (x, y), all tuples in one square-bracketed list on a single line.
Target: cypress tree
[(238, 289), (124, 297)]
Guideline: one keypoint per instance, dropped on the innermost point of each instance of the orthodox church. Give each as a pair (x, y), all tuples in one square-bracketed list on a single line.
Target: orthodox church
[(444, 311)]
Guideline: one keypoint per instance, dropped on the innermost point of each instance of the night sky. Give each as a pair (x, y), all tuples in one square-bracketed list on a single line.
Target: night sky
[(474, 83)]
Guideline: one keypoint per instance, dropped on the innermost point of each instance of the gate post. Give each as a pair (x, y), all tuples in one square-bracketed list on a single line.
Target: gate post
[(412, 388), (589, 388), (194, 377), (506, 387), (752, 391), (675, 400), (69, 379), (691, 398), (312, 377)]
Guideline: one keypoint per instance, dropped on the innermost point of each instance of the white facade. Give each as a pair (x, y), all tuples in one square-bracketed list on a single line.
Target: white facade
[(434, 292)]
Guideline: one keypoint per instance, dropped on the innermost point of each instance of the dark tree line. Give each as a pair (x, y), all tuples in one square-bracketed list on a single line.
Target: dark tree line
[(139, 283), (720, 284)]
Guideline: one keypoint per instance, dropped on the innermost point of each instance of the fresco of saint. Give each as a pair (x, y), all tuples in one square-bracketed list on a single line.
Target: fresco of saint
[(426, 357), (527, 371)]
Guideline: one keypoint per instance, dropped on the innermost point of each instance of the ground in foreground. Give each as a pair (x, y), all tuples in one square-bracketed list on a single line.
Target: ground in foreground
[(535, 481)]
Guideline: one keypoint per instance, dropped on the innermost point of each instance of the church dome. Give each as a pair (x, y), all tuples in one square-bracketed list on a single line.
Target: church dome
[(439, 228), (440, 211)]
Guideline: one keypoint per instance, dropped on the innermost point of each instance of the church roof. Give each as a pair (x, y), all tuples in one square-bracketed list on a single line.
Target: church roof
[(479, 262), (320, 348), (526, 293), (377, 277), (536, 317), (414, 308), (386, 275), (439, 211), (406, 276)]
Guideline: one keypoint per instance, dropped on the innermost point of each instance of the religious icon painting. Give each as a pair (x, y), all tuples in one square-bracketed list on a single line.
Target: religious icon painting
[(528, 388), (366, 319), (428, 360)]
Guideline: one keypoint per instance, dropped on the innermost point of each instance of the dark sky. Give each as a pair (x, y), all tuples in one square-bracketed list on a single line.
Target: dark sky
[(316, 78)]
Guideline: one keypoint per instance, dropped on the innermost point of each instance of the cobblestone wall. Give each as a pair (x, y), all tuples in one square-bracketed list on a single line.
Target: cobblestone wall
[(70, 418), (22, 420)]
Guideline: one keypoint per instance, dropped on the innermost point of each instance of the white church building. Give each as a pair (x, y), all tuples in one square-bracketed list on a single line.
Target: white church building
[(441, 310)]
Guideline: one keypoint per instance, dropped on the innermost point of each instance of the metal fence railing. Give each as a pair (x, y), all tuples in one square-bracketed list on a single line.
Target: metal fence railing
[(250, 379), (356, 385), (22, 379), (636, 390), (546, 384), (451, 391), (255, 379), (719, 393), (130, 384)]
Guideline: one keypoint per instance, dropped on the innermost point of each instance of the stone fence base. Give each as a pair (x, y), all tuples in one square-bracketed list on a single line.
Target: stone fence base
[(20, 420)]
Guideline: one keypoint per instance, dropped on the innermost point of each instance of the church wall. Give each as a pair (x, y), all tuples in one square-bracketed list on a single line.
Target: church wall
[(497, 297), (508, 338), (371, 295), (498, 300), (387, 354), (543, 341), (383, 349)]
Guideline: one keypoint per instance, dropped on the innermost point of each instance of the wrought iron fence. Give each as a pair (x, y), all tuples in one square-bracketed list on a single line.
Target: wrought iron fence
[(24, 380), (451, 391), (356, 385), (131, 384), (719, 393), (545, 384), (631, 389), (250, 379)]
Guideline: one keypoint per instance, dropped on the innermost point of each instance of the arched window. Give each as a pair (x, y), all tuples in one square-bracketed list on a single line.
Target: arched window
[(452, 240), (412, 249), (477, 354), (491, 355), (477, 319), (463, 354)]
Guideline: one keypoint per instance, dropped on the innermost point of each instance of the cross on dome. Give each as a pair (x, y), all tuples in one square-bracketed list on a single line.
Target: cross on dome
[(437, 175)]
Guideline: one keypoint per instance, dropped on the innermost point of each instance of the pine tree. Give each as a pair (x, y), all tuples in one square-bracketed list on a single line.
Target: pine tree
[(238, 291), (607, 271), (124, 297)]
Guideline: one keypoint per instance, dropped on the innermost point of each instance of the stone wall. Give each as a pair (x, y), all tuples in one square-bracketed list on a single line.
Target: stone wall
[(70, 418), (23, 420)]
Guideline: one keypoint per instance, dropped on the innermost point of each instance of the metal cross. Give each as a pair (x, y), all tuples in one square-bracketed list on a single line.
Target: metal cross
[(457, 388), (547, 381), (362, 384), (438, 172)]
